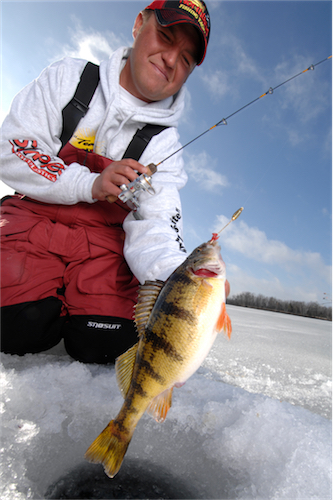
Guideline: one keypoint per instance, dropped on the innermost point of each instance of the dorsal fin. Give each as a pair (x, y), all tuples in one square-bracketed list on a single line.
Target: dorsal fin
[(148, 294), (124, 369)]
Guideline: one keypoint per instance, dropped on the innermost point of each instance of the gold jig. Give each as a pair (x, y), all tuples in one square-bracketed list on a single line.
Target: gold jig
[(234, 217)]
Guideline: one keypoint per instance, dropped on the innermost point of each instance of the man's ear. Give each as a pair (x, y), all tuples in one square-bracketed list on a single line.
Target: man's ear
[(137, 25)]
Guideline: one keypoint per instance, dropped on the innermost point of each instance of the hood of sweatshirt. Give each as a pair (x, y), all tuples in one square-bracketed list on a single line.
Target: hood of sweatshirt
[(165, 112), (115, 120)]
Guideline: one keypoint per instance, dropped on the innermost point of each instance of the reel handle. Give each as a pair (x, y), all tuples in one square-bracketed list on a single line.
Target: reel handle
[(151, 170)]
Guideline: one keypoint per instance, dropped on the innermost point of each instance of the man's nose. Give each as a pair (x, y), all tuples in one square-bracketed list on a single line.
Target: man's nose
[(170, 56)]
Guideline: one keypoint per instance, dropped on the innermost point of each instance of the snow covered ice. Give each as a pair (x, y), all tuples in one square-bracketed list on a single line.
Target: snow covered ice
[(253, 423)]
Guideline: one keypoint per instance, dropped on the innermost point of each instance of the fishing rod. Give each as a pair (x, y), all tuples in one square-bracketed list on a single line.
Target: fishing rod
[(143, 182), (224, 120)]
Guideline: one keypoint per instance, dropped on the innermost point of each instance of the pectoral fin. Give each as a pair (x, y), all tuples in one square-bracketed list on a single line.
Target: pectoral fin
[(224, 322)]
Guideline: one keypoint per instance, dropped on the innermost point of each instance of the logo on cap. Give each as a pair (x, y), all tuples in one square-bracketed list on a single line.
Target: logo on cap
[(198, 10)]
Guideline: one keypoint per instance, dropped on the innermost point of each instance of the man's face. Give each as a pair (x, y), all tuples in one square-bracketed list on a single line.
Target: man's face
[(161, 59)]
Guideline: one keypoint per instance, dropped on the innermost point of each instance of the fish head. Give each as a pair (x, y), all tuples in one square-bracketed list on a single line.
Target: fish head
[(206, 261)]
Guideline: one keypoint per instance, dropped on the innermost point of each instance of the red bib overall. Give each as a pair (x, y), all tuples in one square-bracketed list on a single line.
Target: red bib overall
[(72, 252)]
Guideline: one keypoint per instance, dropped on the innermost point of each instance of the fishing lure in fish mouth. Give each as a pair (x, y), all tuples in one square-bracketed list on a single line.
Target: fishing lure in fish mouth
[(235, 216)]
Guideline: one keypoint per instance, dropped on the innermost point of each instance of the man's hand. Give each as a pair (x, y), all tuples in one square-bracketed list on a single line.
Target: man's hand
[(113, 176)]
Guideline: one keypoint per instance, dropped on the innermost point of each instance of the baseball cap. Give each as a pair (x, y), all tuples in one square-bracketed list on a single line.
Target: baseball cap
[(170, 12)]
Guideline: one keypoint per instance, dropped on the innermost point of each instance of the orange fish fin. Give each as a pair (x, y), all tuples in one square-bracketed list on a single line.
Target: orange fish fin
[(124, 369), (148, 294), (109, 449), (160, 405), (224, 322)]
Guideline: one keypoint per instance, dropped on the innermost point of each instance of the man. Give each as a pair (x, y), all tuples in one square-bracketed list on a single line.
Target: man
[(67, 268)]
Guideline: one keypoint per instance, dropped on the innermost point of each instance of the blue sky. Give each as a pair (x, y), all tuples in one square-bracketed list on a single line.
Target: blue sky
[(273, 158)]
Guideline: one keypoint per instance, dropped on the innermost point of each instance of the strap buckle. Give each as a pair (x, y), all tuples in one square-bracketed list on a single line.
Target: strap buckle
[(80, 105)]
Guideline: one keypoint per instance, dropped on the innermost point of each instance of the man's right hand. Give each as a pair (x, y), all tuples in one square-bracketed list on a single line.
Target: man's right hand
[(113, 176)]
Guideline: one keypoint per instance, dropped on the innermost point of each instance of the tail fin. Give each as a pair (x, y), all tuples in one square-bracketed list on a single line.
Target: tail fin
[(109, 449)]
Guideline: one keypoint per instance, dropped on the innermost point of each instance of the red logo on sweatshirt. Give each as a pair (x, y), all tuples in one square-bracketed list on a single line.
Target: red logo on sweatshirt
[(38, 161)]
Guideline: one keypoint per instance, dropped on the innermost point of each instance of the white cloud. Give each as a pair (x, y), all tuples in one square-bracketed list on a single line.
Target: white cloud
[(254, 245), (217, 82), (295, 136), (328, 144), (91, 44), (200, 169), (307, 94), (239, 63), (187, 115), (300, 102), (273, 286)]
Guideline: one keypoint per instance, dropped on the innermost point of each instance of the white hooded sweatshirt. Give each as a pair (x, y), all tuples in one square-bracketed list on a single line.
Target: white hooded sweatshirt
[(30, 165)]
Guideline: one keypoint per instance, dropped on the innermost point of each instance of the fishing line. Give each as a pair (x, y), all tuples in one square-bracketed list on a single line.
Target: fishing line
[(224, 120)]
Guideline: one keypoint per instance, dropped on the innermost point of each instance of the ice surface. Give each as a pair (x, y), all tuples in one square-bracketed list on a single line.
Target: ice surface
[(282, 356), (220, 440)]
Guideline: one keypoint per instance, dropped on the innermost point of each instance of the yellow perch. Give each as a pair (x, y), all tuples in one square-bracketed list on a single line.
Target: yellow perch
[(177, 323)]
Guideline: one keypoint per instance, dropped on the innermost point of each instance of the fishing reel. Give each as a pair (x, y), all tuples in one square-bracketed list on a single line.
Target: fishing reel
[(130, 192), (142, 183)]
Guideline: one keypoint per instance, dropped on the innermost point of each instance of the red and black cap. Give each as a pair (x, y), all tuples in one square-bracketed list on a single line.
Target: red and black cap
[(169, 13)]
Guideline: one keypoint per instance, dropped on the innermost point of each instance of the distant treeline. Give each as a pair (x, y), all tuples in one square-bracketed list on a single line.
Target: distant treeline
[(309, 309)]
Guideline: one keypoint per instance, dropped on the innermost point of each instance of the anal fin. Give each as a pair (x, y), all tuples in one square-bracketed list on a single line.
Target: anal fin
[(160, 405)]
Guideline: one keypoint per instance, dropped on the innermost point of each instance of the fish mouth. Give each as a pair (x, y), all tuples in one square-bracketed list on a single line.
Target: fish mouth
[(208, 272), (206, 261), (204, 273)]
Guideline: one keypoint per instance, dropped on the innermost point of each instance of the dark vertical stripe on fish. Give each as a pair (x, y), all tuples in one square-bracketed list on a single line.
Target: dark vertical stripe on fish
[(159, 343), (150, 370), (171, 309), (136, 389)]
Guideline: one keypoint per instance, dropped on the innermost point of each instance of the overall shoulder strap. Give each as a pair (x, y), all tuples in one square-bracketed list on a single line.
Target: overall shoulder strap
[(141, 139), (78, 106)]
